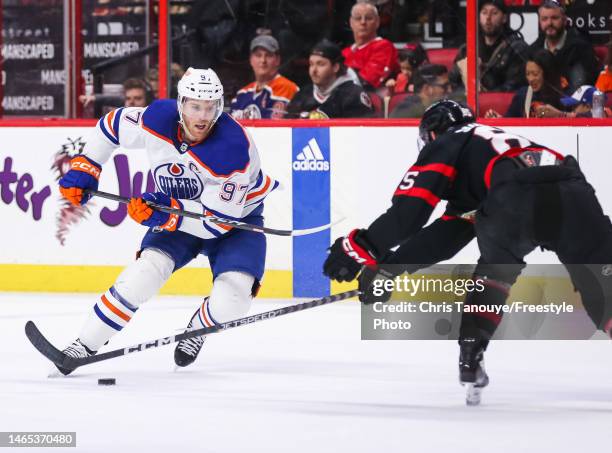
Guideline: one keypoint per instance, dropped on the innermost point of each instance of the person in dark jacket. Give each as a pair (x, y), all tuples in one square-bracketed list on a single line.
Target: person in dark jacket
[(573, 53), (332, 94), (502, 52), (544, 88)]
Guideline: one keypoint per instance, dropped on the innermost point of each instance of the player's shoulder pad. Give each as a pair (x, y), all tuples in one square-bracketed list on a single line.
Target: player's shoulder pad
[(226, 150), (161, 118)]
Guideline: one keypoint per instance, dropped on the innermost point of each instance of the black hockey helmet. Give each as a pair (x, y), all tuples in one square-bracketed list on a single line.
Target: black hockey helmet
[(441, 116)]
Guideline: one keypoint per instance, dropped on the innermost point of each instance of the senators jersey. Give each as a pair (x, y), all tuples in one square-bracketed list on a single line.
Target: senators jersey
[(457, 168), (269, 102), (220, 175)]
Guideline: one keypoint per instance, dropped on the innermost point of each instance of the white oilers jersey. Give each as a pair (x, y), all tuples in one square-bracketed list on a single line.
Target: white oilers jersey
[(220, 176)]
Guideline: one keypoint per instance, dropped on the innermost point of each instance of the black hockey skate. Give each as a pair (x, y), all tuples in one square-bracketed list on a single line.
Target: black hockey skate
[(471, 369), (77, 350), (187, 351)]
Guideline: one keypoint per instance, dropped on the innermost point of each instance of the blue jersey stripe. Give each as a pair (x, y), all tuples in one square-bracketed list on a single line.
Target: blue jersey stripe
[(106, 320), (105, 131), (259, 180), (116, 122), (215, 233), (124, 302)]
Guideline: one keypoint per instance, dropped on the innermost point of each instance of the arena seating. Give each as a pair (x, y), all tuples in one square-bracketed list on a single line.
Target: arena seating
[(496, 100), (601, 52), (378, 105), (442, 56)]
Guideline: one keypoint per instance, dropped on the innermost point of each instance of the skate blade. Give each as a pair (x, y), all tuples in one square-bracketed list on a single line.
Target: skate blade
[(473, 395)]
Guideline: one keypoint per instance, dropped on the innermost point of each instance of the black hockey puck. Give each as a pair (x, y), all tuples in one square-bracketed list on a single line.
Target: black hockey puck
[(109, 381)]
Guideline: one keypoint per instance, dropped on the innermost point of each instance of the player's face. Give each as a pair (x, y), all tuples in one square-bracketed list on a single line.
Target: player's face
[(364, 22), (322, 71), (492, 20), (135, 97), (264, 63), (534, 75), (198, 117), (552, 22)]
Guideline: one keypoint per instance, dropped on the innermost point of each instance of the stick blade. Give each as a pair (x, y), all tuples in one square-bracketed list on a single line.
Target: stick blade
[(43, 346)]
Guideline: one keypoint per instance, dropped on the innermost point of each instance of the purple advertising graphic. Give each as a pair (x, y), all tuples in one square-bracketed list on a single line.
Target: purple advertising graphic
[(21, 189)]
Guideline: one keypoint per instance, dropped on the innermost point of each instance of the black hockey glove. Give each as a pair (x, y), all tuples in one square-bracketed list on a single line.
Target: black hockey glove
[(371, 284), (347, 256)]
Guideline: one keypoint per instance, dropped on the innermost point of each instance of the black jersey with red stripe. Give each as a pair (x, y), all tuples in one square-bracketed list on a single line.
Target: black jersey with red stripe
[(451, 168)]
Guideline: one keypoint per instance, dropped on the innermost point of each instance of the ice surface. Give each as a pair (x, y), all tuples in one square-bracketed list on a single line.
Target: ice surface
[(299, 383)]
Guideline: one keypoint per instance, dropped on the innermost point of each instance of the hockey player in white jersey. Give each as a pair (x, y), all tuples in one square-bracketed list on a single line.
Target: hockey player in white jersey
[(202, 160)]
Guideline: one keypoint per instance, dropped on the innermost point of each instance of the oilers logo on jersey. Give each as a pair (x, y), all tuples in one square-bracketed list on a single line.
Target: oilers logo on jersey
[(178, 182)]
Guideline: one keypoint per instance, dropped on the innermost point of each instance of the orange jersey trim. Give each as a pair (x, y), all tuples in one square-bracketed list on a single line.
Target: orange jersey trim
[(259, 192), (158, 135)]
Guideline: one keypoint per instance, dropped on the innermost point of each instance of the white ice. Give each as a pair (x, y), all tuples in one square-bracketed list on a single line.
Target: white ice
[(304, 382)]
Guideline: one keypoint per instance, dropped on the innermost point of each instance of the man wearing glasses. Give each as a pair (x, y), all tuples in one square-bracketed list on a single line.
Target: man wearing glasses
[(373, 58), (430, 85)]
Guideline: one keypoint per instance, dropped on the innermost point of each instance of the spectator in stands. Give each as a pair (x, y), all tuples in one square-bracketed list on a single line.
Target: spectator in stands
[(580, 105), (573, 53), (373, 58), (152, 79), (430, 84), (269, 94), (410, 58), (544, 88), (135, 94), (604, 81), (333, 94), (501, 51)]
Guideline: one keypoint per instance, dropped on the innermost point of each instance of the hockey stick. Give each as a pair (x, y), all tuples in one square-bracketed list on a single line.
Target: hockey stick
[(43, 345), (219, 220)]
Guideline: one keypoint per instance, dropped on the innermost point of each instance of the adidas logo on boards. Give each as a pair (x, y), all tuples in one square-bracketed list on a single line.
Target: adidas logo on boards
[(311, 158)]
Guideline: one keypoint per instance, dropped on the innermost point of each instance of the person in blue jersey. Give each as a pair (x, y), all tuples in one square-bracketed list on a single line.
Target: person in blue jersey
[(268, 95), (202, 160)]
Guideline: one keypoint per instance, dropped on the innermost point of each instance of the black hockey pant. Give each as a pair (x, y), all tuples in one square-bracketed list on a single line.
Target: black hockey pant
[(553, 207)]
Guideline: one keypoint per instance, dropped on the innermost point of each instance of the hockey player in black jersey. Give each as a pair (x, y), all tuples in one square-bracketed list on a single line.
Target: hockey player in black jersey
[(526, 196)]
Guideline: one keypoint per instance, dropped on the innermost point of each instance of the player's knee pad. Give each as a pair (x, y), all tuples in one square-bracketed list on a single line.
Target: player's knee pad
[(142, 279), (231, 296)]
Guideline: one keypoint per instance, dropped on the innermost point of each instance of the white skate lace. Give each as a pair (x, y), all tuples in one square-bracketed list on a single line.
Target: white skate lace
[(76, 350), (191, 346)]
